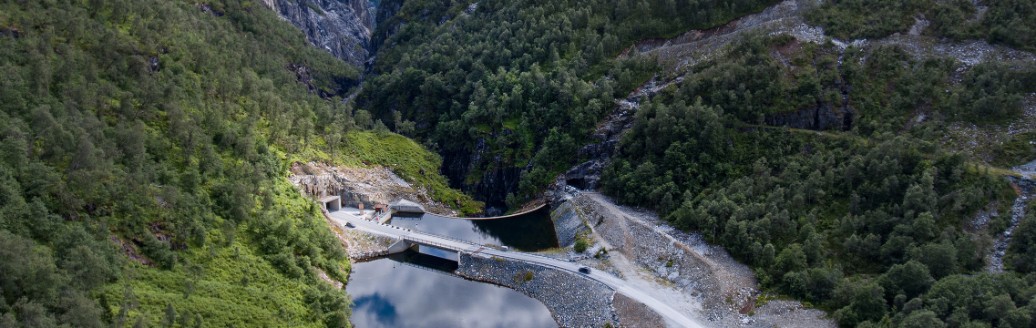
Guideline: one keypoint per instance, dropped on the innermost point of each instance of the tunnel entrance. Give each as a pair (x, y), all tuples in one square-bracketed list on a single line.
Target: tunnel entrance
[(331, 203)]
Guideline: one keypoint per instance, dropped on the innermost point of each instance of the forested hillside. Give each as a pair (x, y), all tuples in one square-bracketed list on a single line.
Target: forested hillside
[(863, 222), (826, 168), (508, 90), (144, 147), (1007, 22)]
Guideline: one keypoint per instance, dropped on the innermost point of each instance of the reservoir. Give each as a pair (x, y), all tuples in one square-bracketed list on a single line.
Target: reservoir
[(415, 290), (529, 232)]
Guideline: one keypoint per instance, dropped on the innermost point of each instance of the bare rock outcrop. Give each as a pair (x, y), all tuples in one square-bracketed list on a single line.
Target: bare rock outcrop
[(341, 27), (364, 185)]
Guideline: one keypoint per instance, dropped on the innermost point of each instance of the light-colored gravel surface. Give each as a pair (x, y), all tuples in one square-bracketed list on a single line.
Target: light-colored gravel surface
[(791, 314)]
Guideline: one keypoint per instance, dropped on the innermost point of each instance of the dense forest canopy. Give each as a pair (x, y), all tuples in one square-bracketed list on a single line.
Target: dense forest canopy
[(143, 152), (1007, 22), (144, 147), (519, 84), (867, 218)]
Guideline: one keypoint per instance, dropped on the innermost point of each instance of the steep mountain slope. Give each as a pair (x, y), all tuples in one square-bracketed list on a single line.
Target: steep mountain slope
[(144, 149), (1007, 22), (341, 27), (869, 215), (507, 90), (846, 173)]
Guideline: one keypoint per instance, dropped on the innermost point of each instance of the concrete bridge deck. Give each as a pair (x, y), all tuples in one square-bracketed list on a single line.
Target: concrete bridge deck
[(613, 282)]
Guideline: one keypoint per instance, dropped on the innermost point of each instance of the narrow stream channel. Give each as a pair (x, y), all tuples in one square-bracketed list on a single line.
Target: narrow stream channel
[(416, 290)]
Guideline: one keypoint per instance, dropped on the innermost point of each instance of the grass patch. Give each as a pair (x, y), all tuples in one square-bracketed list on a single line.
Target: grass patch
[(1018, 150), (989, 170), (236, 288), (232, 282), (512, 123)]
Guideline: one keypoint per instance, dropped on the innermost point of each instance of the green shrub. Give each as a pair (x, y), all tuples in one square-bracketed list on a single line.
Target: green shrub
[(523, 277), (581, 244)]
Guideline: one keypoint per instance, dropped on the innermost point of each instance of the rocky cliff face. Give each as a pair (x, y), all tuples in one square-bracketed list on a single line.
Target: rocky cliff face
[(492, 180), (821, 117), (342, 27)]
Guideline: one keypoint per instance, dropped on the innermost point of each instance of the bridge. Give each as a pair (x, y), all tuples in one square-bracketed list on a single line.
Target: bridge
[(408, 238), (427, 247)]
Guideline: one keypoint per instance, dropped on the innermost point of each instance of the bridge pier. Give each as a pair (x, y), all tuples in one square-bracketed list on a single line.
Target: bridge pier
[(399, 246), (439, 252), (403, 245)]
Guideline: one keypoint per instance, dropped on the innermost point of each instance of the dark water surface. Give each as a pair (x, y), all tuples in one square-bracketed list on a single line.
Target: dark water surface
[(528, 232), (414, 290)]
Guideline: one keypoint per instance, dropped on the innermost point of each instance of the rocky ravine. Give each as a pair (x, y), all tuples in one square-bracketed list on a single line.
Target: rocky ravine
[(1025, 184), (342, 27)]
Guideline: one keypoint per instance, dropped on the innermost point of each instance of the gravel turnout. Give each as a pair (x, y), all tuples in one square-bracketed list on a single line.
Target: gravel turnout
[(573, 301)]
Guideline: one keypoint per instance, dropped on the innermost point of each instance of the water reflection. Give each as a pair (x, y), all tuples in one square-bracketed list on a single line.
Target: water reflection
[(530, 232), (413, 290)]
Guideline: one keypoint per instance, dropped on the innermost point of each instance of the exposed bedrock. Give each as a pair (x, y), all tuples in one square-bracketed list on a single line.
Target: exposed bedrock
[(342, 27), (821, 117)]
